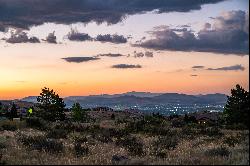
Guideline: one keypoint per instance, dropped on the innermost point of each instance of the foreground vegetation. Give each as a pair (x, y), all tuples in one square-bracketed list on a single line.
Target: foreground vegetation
[(111, 137)]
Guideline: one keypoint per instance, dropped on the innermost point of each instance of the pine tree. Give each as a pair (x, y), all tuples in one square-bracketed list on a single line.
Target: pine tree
[(13, 111), (51, 105), (237, 108), (78, 114)]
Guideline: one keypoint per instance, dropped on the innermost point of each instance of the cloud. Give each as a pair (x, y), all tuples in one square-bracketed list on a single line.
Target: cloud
[(126, 66), (229, 68), (51, 38), (80, 59), (117, 39), (193, 75), (110, 55), (27, 13), (141, 54), (74, 35), (21, 37), (198, 67), (228, 34)]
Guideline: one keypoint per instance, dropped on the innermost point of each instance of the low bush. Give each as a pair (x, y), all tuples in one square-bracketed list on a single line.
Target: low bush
[(103, 136), (188, 132), (41, 143), (12, 125), (211, 131), (163, 144), (218, 151), (132, 144), (232, 140), (37, 123), (2, 142), (153, 125), (57, 133), (9, 127), (238, 126), (80, 150)]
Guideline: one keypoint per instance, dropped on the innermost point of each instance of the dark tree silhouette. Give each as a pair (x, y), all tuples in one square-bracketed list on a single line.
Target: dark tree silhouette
[(52, 106), (13, 112), (236, 110), (78, 114)]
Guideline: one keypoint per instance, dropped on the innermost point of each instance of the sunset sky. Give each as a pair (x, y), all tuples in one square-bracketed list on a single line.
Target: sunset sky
[(116, 46)]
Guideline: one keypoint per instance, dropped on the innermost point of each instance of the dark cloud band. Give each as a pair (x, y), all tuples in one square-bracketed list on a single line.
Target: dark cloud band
[(26, 13)]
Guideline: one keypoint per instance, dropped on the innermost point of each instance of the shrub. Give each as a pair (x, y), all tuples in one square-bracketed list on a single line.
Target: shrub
[(57, 133), (132, 144), (165, 143), (12, 125), (9, 127), (2, 143), (41, 143), (37, 123), (218, 151), (211, 131), (2, 162), (80, 150), (238, 126), (188, 132), (154, 125), (231, 140), (103, 136)]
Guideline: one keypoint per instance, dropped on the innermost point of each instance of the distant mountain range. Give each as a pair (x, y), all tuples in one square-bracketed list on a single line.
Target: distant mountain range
[(140, 99)]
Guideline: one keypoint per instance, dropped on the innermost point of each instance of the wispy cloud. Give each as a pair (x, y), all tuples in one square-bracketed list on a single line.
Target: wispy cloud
[(110, 55), (193, 75), (198, 67), (126, 66), (80, 59), (229, 68)]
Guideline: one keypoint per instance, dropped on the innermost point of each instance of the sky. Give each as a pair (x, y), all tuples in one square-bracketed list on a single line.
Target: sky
[(85, 47)]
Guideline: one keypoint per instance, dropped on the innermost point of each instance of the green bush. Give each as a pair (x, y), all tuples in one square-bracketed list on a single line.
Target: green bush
[(80, 150), (164, 143), (2, 142), (211, 131), (153, 125), (57, 133), (232, 140), (218, 151), (37, 123), (9, 127), (132, 144), (41, 143)]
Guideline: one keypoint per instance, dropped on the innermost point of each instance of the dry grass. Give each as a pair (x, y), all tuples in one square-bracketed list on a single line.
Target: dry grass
[(187, 152)]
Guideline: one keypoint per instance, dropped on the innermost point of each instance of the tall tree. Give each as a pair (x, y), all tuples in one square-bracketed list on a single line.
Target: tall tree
[(78, 114), (51, 104), (237, 108), (13, 111)]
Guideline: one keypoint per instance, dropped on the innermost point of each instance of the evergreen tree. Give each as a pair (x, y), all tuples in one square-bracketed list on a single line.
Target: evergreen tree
[(237, 108), (13, 112), (78, 114), (51, 105)]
